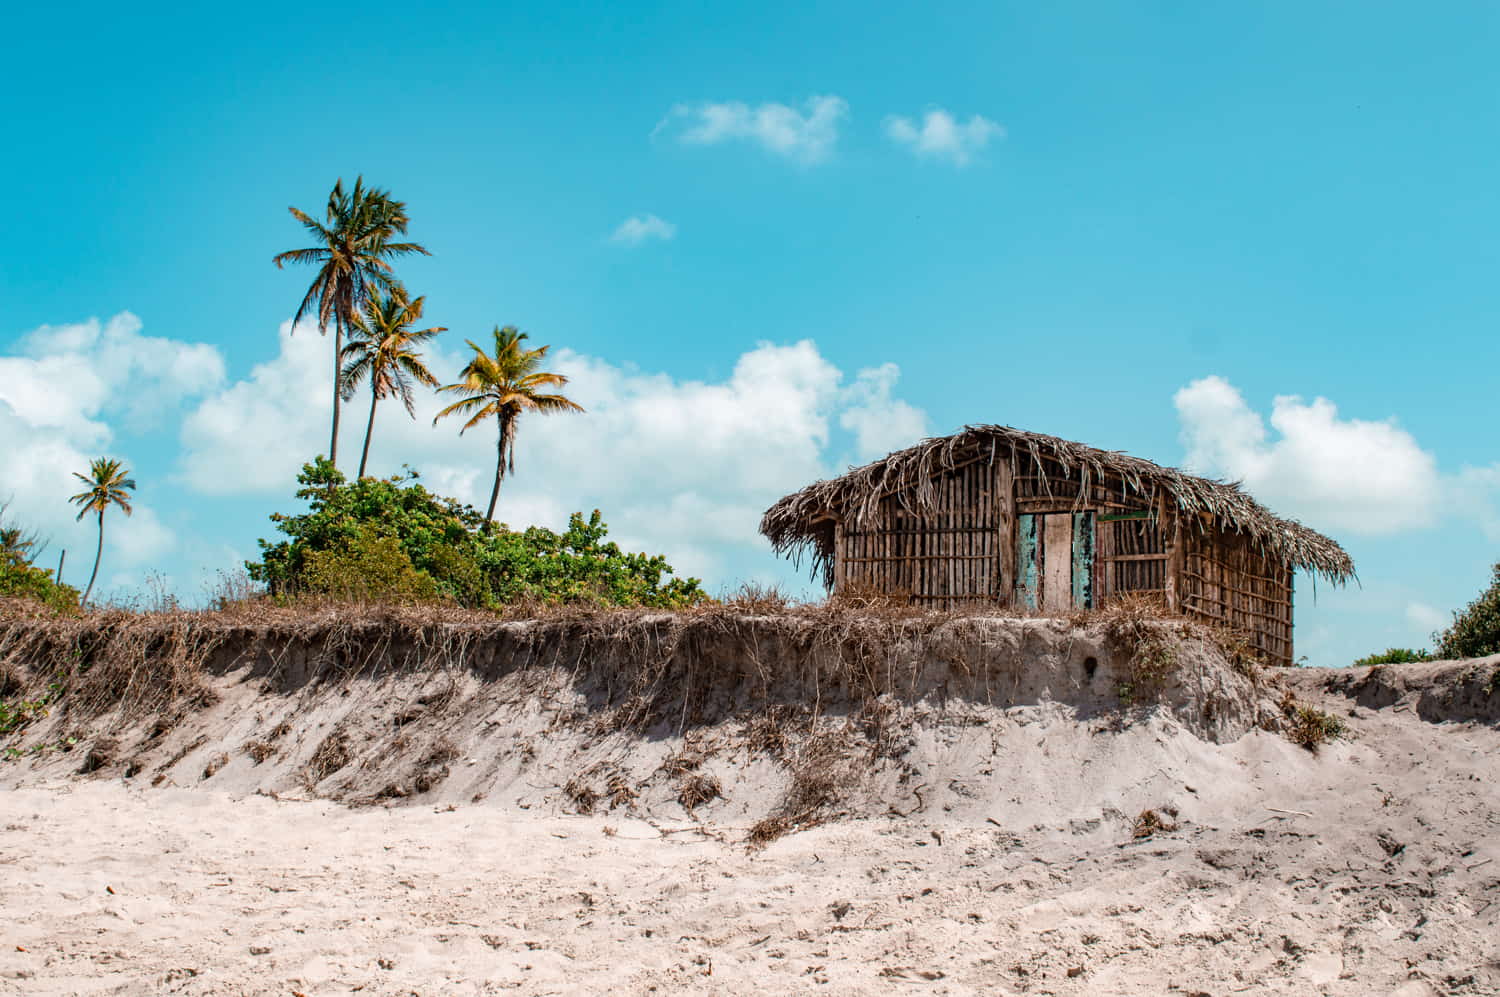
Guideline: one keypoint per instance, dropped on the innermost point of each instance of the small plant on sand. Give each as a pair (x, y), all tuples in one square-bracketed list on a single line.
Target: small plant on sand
[(18, 713), (1150, 822), (1310, 727), (1242, 655)]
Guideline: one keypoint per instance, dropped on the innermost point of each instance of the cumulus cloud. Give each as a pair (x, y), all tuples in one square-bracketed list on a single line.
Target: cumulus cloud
[(685, 467), (807, 135), (880, 423), (941, 136), (65, 392), (68, 376), (1357, 475), (1474, 492), (1429, 618), (643, 228)]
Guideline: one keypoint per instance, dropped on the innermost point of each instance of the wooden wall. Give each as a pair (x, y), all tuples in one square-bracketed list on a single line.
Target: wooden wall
[(964, 552), (943, 560), (1226, 581)]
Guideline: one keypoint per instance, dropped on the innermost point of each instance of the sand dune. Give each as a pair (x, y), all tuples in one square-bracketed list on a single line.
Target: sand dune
[(983, 845)]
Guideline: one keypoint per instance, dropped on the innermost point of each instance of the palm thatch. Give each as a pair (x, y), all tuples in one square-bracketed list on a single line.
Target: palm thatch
[(803, 521)]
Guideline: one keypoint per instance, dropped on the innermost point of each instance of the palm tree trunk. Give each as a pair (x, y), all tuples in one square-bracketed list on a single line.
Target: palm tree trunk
[(338, 349), (499, 469), (369, 429), (98, 553)]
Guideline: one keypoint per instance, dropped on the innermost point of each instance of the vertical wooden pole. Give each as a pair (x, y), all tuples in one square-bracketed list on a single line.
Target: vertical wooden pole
[(1176, 562)]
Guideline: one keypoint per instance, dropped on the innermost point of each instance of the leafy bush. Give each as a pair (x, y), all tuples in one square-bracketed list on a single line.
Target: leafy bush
[(1393, 656), (367, 566), (391, 538), (21, 579), (1475, 631)]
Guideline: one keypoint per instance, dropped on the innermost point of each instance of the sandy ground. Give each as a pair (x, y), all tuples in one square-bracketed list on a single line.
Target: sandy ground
[(1377, 871)]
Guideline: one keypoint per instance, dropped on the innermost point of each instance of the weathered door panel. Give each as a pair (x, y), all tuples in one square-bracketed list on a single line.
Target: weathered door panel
[(1083, 560), (1028, 583), (1057, 563)]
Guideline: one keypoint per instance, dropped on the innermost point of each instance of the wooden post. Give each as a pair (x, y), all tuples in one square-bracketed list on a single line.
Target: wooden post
[(1176, 563), (840, 557), (1004, 499)]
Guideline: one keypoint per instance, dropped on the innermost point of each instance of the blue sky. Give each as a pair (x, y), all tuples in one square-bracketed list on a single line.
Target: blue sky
[(1293, 200)]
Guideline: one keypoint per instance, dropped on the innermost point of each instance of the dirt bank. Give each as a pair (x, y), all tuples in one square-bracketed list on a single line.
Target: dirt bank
[(723, 715)]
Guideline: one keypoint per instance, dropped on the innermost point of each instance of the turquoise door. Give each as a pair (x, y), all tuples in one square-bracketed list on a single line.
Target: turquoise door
[(1055, 561)]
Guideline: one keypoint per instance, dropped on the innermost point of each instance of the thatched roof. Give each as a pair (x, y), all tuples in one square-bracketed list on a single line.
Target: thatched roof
[(802, 520)]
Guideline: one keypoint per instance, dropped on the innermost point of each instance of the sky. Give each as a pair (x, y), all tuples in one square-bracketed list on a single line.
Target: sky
[(768, 241)]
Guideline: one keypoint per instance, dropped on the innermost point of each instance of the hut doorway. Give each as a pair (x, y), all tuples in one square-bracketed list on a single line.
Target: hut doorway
[(1055, 561)]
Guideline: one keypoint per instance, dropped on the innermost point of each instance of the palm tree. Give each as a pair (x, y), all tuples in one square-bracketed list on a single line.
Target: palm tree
[(504, 386), (107, 485), (352, 254), (383, 345)]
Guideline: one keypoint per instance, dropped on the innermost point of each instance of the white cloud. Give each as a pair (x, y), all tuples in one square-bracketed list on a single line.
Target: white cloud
[(1347, 474), (643, 228), (1475, 493), (63, 394), (806, 136), (105, 368), (678, 466), (879, 422), (941, 136), (245, 438), (1429, 618)]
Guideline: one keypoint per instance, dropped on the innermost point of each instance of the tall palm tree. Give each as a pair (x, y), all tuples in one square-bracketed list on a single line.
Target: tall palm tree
[(383, 346), (108, 485), (503, 386), (352, 254)]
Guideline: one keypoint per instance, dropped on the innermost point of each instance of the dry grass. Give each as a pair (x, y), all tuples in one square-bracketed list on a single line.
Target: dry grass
[(1149, 822), (1141, 629), (822, 774), (332, 754), (696, 789)]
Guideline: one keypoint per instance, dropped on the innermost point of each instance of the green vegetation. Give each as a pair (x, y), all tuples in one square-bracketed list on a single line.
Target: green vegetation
[(1393, 656), (352, 252), (108, 483), (1311, 727), (16, 714), (21, 579), (383, 346), (1475, 631), (392, 539), (503, 386)]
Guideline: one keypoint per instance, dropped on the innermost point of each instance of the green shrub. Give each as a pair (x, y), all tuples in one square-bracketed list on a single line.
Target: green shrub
[(21, 579), (1310, 727), (379, 538), (1475, 631), (367, 567), (1393, 656)]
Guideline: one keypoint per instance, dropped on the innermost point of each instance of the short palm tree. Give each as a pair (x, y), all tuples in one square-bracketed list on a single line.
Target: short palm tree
[(501, 387), (353, 254), (383, 346), (108, 484)]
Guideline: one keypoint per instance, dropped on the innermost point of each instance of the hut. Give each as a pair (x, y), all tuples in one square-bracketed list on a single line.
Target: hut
[(1000, 517)]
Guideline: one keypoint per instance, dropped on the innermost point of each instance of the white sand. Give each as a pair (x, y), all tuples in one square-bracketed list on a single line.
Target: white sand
[(1391, 885)]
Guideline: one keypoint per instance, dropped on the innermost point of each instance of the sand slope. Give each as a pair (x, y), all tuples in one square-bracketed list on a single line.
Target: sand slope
[(988, 848)]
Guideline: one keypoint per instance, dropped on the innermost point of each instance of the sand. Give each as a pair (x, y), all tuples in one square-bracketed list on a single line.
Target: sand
[(995, 854)]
